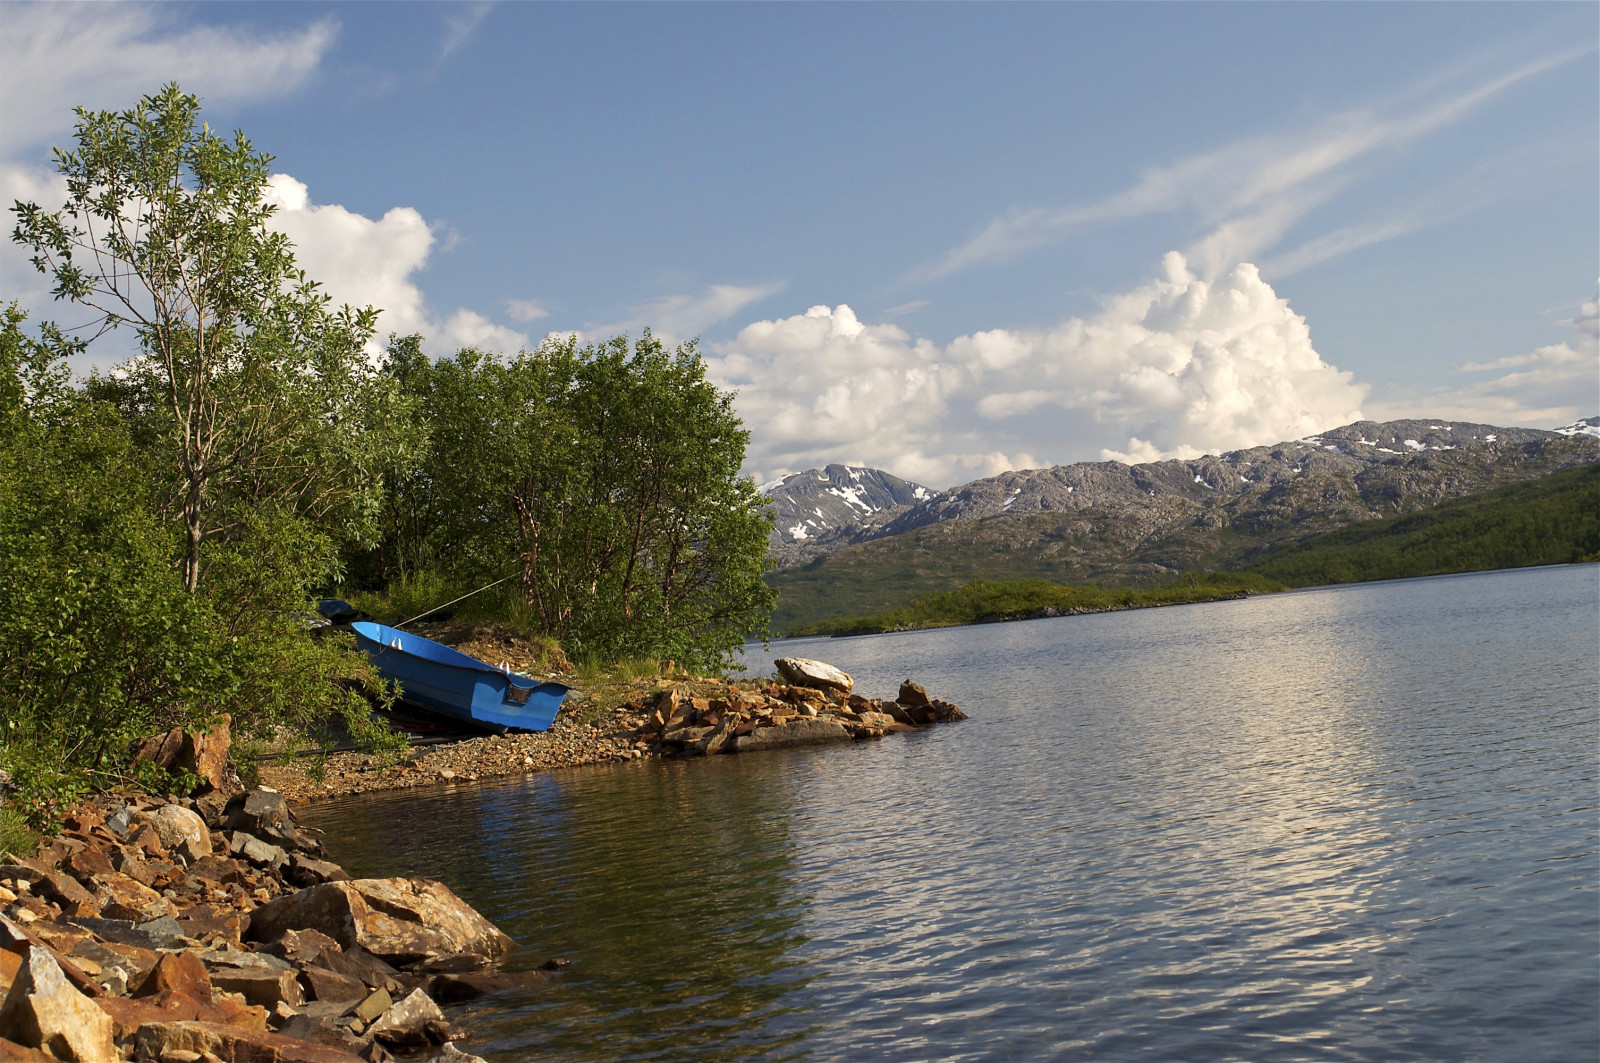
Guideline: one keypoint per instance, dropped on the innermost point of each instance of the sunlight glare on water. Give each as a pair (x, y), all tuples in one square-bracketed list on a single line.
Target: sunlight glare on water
[(1351, 823)]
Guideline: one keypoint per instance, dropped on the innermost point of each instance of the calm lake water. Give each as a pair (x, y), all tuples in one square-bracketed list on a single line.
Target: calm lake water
[(1349, 823)]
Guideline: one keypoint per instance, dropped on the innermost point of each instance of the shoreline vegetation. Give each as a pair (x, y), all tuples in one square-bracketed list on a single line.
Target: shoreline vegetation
[(999, 601)]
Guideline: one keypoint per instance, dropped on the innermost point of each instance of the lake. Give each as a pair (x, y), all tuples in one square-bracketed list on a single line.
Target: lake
[(1355, 822)]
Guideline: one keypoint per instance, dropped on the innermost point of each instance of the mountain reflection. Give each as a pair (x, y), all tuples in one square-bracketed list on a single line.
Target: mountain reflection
[(671, 887)]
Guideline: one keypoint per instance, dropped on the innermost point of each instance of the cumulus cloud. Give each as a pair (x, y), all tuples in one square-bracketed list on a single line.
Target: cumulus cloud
[(1178, 367), (54, 57), (1542, 388)]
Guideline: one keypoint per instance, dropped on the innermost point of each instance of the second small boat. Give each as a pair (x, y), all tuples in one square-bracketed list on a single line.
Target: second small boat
[(446, 680)]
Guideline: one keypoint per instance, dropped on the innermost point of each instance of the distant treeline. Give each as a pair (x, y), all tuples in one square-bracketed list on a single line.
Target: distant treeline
[(1549, 521), (987, 601)]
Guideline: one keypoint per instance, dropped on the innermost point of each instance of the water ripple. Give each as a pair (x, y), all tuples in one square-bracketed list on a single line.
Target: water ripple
[(1354, 823)]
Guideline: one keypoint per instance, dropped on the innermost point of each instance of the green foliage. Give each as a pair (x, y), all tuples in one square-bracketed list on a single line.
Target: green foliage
[(100, 642), (248, 392), (985, 601), (605, 477), (1549, 521)]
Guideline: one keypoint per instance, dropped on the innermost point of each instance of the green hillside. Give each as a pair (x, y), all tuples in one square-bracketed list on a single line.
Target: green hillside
[(1548, 521), (962, 572)]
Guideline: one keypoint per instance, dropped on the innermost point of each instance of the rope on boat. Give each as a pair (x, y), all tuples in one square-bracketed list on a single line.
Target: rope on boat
[(453, 601)]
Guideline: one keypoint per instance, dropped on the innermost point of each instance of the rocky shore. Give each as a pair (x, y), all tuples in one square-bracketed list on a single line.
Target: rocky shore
[(211, 929), (666, 717)]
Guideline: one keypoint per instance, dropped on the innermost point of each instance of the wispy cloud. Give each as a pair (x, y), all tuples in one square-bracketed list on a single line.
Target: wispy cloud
[(905, 308), (674, 318), (57, 56), (460, 24), (1251, 191), (525, 310)]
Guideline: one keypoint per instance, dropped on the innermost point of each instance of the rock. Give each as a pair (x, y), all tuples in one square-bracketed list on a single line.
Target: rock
[(300, 947), (372, 1006), (63, 889), (803, 672), (406, 1023), (259, 985), (180, 831), (121, 897), (258, 852), (12, 1052), (454, 988), (718, 739), (397, 919), (177, 972), (207, 755), (309, 871), (802, 732), (331, 986), (204, 754), (88, 863), (912, 695), (126, 932), (449, 1053), (898, 713), (42, 1010), (157, 1041), (265, 814)]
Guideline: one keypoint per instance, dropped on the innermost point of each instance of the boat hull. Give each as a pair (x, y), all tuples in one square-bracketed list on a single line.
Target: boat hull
[(446, 680)]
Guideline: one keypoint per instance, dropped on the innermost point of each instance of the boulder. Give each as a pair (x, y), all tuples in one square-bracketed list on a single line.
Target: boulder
[(258, 852), (265, 814), (260, 985), (308, 871), (803, 672), (406, 1023), (802, 732), (122, 897), (180, 831), (42, 1010), (333, 987), (61, 888), (204, 753), (401, 920), (912, 695), (162, 1040), (177, 972)]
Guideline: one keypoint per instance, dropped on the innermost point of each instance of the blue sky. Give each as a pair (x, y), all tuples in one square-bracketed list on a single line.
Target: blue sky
[(939, 239)]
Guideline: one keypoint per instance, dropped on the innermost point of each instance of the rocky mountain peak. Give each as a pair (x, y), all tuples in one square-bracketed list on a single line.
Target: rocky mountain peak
[(819, 503)]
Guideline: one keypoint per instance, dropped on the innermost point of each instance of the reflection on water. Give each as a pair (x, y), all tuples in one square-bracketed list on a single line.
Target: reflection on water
[(1342, 824), (673, 887)]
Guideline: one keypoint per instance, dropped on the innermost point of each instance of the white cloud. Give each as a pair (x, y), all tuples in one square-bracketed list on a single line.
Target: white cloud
[(54, 57), (367, 262), (676, 318), (1252, 191), (1175, 368), (525, 310), (1548, 386), (460, 24)]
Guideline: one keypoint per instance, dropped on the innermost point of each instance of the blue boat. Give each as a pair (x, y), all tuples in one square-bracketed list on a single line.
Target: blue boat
[(437, 677)]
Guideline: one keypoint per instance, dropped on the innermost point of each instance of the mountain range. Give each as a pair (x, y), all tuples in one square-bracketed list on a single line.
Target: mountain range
[(852, 541)]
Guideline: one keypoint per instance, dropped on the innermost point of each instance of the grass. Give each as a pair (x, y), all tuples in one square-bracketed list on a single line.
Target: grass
[(15, 837), (985, 601)]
